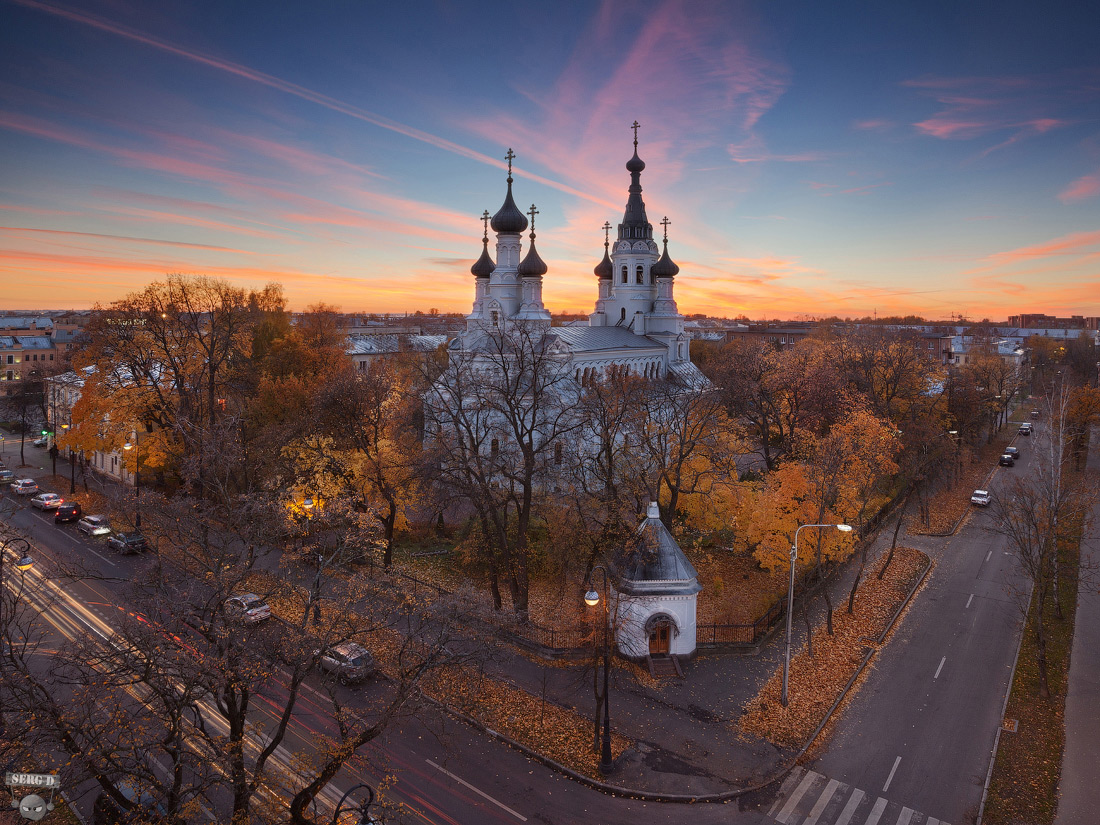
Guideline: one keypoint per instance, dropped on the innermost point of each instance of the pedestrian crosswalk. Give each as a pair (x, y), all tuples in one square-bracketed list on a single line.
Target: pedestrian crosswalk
[(810, 798)]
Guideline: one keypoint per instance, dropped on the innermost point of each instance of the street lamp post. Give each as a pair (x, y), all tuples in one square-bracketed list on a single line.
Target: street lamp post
[(958, 446), (137, 478), (844, 528), (364, 817), (592, 598)]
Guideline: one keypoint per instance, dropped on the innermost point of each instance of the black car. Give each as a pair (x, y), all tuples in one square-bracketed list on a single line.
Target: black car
[(1012, 451), (128, 542), (1007, 460), (68, 511)]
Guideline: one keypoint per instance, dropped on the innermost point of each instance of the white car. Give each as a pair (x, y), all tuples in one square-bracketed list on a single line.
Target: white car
[(981, 498), (94, 525), (248, 608), (24, 486), (46, 501)]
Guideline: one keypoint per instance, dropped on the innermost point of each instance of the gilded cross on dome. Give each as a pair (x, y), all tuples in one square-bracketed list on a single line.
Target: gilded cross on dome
[(485, 222), (665, 223), (635, 126), (510, 157), (532, 212), (606, 229)]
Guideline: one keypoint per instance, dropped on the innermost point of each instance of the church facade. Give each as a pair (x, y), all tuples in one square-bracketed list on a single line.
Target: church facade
[(635, 324)]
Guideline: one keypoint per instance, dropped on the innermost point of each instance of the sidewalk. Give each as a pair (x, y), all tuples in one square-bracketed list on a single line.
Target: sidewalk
[(1079, 792)]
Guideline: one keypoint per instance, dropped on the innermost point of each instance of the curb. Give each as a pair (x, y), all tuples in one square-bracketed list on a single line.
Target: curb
[(955, 528)]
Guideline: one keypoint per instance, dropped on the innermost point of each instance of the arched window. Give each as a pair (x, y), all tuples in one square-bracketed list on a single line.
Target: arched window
[(625, 276), (494, 447), (640, 276), (557, 453), (622, 311)]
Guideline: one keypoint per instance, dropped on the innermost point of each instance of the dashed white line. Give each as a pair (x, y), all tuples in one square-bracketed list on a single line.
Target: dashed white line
[(968, 601), (890, 778), (937, 676), (987, 555), (479, 792)]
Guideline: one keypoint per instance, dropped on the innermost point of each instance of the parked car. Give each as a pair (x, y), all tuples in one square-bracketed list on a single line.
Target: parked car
[(1025, 428), (981, 498), (41, 442), (145, 807), (1007, 460), (6, 476), (24, 486), (1035, 413), (94, 525), (348, 661), (127, 542), (1012, 451), (248, 608), (46, 501), (68, 511)]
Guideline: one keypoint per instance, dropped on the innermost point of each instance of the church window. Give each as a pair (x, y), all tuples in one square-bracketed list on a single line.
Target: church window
[(622, 311), (640, 277), (493, 316), (625, 277), (494, 447), (557, 453)]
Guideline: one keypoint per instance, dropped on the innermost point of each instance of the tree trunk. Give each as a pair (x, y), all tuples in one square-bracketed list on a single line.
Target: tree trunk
[(387, 526), (1041, 650), (809, 630), (828, 602), (897, 529)]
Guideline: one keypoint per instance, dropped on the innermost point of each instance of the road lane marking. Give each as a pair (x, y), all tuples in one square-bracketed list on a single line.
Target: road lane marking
[(906, 816), (850, 809), (934, 678), (968, 601), (823, 800), (890, 778), (478, 791), (876, 812), (987, 555), (793, 800)]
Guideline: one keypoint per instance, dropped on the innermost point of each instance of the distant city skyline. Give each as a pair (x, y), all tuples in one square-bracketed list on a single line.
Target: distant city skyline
[(844, 159)]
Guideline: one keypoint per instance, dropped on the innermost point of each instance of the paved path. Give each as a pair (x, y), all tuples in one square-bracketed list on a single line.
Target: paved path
[(1079, 791)]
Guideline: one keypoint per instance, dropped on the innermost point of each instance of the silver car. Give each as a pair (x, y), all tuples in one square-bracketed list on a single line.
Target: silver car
[(348, 661), (46, 501), (24, 486), (248, 608), (94, 525)]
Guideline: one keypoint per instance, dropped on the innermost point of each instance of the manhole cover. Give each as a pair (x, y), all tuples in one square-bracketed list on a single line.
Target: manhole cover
[(1011, 725)]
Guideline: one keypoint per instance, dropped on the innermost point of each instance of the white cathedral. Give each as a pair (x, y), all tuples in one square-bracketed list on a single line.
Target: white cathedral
[(636, 324)]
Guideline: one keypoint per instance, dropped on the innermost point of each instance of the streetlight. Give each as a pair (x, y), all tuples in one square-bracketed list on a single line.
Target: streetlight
[(361, 809), (592, 598), (137, 479), (844, 528)]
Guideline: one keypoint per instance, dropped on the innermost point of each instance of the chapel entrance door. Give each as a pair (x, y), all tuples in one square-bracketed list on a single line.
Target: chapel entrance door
[(658, 638)]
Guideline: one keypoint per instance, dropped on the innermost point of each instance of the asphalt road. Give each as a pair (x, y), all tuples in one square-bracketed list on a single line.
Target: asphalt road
[(918, 737)]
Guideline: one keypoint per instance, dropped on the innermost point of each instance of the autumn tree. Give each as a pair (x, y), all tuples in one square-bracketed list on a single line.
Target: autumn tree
[(173, 359), (496, 417), (890, 369)]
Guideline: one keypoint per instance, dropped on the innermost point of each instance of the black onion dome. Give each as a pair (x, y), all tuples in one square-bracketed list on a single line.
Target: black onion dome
[(508, 218), (484, 266), (532, 264), (603, 268), (665, 267), (635, 164)]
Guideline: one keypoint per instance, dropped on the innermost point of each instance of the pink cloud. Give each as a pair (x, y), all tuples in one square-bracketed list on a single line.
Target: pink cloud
[(873, 125), (1081, 189), (157, 241), (1077, 243)]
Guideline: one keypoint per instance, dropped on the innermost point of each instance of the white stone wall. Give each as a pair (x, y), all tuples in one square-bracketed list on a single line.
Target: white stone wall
[(632, 613)]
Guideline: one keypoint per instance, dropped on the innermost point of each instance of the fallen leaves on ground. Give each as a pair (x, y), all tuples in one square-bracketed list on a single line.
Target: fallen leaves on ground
[(816, 681), (951, 501)]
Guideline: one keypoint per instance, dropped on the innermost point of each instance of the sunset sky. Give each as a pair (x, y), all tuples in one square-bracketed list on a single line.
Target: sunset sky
[(813, 158)]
